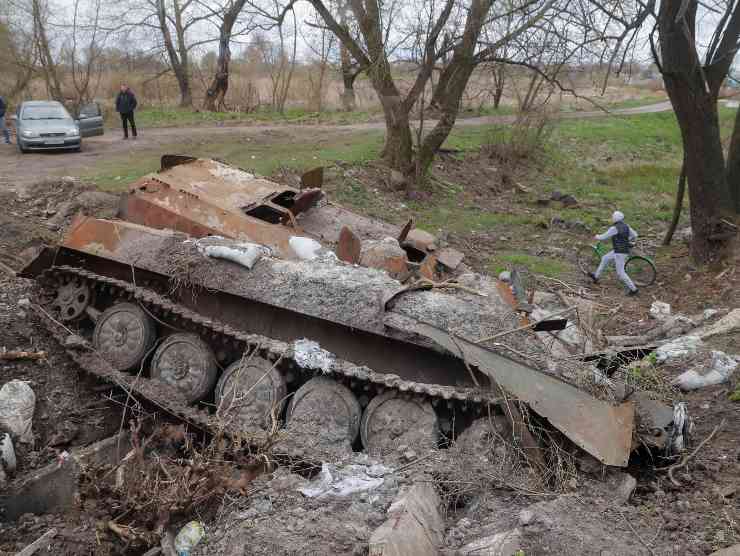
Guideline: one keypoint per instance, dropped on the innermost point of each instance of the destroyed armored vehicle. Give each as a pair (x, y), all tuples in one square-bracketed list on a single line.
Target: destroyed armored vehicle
[(204, 197), (237, 328)]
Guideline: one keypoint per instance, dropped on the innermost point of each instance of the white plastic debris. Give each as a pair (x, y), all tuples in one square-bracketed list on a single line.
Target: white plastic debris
[(7, 453), (304, 247), (309, 355), (677, 348), (682, 426), (504, 543), (188, 537), (660, 310), (505, 276), (709, 313), (333, 481), (17, 403), (720, 368)]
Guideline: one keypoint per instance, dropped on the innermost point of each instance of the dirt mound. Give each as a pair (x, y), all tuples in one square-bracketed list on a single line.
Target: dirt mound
[(37, 213)]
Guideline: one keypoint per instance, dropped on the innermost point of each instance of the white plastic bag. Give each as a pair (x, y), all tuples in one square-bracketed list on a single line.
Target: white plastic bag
[(660, 310), (17, 403), (304, 247), (677, 348), (719, 370)]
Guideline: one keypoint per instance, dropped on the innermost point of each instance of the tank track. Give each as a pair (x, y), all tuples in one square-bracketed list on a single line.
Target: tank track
[(171, 401)]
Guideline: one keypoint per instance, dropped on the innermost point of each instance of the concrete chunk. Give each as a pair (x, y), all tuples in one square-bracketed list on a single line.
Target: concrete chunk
[(413, 527), (451, 258), (421, 240)]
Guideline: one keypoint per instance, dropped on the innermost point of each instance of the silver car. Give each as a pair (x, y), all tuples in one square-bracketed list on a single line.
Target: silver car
[(42, 125)]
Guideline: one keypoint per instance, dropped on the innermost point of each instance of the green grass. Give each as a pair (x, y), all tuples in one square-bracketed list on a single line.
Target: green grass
[(153, 117), (255, 155), (735, 395), (545, 266)]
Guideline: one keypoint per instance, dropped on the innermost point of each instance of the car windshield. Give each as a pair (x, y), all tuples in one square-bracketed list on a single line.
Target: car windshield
[(45, 112)]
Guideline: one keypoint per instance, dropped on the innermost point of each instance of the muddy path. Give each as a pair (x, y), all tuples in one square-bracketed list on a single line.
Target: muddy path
[(18, 169)]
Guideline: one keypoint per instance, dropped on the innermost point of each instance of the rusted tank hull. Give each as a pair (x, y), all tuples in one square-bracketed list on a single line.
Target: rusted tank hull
[(266, 301)]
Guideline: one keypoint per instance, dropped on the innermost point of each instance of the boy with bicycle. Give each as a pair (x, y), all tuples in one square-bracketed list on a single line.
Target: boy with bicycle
[(622, 237)]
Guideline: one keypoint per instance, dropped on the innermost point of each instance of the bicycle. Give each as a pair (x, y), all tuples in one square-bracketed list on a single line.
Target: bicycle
[(639, 267)]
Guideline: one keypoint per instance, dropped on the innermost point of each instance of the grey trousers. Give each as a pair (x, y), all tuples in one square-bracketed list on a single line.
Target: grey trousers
[(619, 260)]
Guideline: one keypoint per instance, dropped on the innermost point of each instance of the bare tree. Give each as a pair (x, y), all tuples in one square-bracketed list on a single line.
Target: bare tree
[(227, 15), (169, 26), (18, 61), (693, 87), (85, 59), (48, 66), (348, 67), (321, 42), (436, 29), (279, 58)]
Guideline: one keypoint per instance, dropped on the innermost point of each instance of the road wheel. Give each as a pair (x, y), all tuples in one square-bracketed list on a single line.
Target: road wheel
[(325, 411), (391, 420), (249, 392), (124, 335), (185, 361)]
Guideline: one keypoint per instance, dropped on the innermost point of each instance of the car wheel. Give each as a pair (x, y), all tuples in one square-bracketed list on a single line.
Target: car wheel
[(20, 147)]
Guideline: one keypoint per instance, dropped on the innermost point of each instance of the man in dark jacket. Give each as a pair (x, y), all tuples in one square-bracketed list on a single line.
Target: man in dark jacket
[(3, 127), (125, 106)]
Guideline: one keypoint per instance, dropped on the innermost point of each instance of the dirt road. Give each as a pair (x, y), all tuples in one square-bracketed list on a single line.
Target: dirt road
[(18, 170)]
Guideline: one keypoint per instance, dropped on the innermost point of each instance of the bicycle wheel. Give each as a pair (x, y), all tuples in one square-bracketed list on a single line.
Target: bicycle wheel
[(641, 270), (588, 259)]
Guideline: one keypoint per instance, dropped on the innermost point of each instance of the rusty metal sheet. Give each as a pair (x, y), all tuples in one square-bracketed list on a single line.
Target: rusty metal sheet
[(224, 186), (602, 429), (349, 246), (449, 257), (314, 178), (168, 209)]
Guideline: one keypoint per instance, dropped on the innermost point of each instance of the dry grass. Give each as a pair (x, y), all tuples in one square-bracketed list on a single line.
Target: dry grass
[(166, 479)]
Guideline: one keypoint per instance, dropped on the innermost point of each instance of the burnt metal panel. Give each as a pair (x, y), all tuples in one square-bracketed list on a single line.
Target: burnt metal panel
[(602, 429)]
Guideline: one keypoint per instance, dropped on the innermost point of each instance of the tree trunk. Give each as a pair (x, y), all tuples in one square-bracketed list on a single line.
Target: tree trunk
[(398, 150), (695, 105), (349, 101), (733, 165), (451, 86), (49, 68), (216, 93), (178, 60), (499, 80), (680, 191)]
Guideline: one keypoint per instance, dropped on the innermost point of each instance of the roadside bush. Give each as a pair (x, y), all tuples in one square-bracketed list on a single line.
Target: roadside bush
[(525, 139)]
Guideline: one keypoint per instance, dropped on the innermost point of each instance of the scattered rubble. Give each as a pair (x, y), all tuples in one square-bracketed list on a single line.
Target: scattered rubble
[(727, 324)]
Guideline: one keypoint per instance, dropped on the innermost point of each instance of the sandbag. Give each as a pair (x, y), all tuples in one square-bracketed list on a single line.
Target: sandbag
[(17, 403)]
